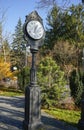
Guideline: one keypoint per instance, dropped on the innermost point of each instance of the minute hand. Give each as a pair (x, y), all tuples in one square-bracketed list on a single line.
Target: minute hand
[(35, 29)]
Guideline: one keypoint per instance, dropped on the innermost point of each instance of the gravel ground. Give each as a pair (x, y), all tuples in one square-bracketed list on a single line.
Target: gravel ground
[(12, 116)]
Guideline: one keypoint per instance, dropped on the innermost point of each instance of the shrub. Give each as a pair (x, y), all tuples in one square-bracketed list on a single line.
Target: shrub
[(76, 86), (23, 78), (52, 82)]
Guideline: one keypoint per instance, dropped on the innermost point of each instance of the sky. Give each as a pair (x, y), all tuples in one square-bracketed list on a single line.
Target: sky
[(15, 9)]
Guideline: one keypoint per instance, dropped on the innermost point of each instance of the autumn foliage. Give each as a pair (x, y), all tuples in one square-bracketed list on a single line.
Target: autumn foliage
[(5, 69)]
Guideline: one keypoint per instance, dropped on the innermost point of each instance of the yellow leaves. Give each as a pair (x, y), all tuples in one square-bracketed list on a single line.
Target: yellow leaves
[(5, 69)]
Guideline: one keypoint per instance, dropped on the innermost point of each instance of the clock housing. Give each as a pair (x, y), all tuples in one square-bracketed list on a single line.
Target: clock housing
[(35, 29)]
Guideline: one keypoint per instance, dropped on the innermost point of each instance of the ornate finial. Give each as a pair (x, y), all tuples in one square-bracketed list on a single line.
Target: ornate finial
[(33, 16)]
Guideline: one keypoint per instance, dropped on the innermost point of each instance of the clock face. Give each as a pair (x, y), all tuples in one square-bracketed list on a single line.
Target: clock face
[(35, 30)]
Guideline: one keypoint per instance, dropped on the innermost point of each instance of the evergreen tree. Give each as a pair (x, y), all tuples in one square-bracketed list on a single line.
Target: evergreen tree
[(65, 36), (18, 46), (76, 86), (18, 54), (52, 82), (65, 25)]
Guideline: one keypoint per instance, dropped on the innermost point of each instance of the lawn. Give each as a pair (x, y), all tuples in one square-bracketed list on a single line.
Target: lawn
[(10, 92), (68, 116)]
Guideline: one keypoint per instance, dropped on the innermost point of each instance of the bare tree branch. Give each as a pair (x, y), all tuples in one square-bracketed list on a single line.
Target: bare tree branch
[(50, 3), (45, 3)]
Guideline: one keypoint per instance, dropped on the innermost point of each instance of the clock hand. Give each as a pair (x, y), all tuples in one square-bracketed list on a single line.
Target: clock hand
[(35, 28)]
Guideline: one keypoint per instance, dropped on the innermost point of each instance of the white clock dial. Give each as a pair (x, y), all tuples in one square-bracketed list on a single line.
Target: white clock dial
[(35, 29)]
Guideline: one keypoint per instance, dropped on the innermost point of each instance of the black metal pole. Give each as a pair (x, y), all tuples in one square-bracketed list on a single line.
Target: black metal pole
[(32, 99), (32, 120), (33, 77), (82, 1)]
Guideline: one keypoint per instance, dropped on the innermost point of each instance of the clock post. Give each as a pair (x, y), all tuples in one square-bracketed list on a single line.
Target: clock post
[(34, 34)]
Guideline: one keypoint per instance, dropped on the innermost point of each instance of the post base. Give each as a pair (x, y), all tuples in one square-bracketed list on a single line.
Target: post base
[(33, 126), (32, 119), (81, 124)]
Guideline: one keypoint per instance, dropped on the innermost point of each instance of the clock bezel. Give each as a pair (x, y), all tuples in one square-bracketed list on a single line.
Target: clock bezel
[(30, 36)]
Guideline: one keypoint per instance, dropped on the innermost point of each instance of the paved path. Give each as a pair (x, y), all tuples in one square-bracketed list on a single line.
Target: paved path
[(12, 116)]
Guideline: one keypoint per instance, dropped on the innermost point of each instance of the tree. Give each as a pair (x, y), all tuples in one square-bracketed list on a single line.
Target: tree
[(18, 54), (52, 29), (52, 82), (5, 71), (77, 17), (65, 36), (18, 47), (5, 51), (66, 55), (23, 78), (4, 44), (45, 3), (51, 3), (76, 86), (65, 25)]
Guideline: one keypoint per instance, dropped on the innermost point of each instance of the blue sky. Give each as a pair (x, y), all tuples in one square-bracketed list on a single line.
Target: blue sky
[(16, 9)]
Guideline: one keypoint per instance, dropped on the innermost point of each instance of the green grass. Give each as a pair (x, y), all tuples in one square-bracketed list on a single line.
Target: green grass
[(10, 92), (69, 116)]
